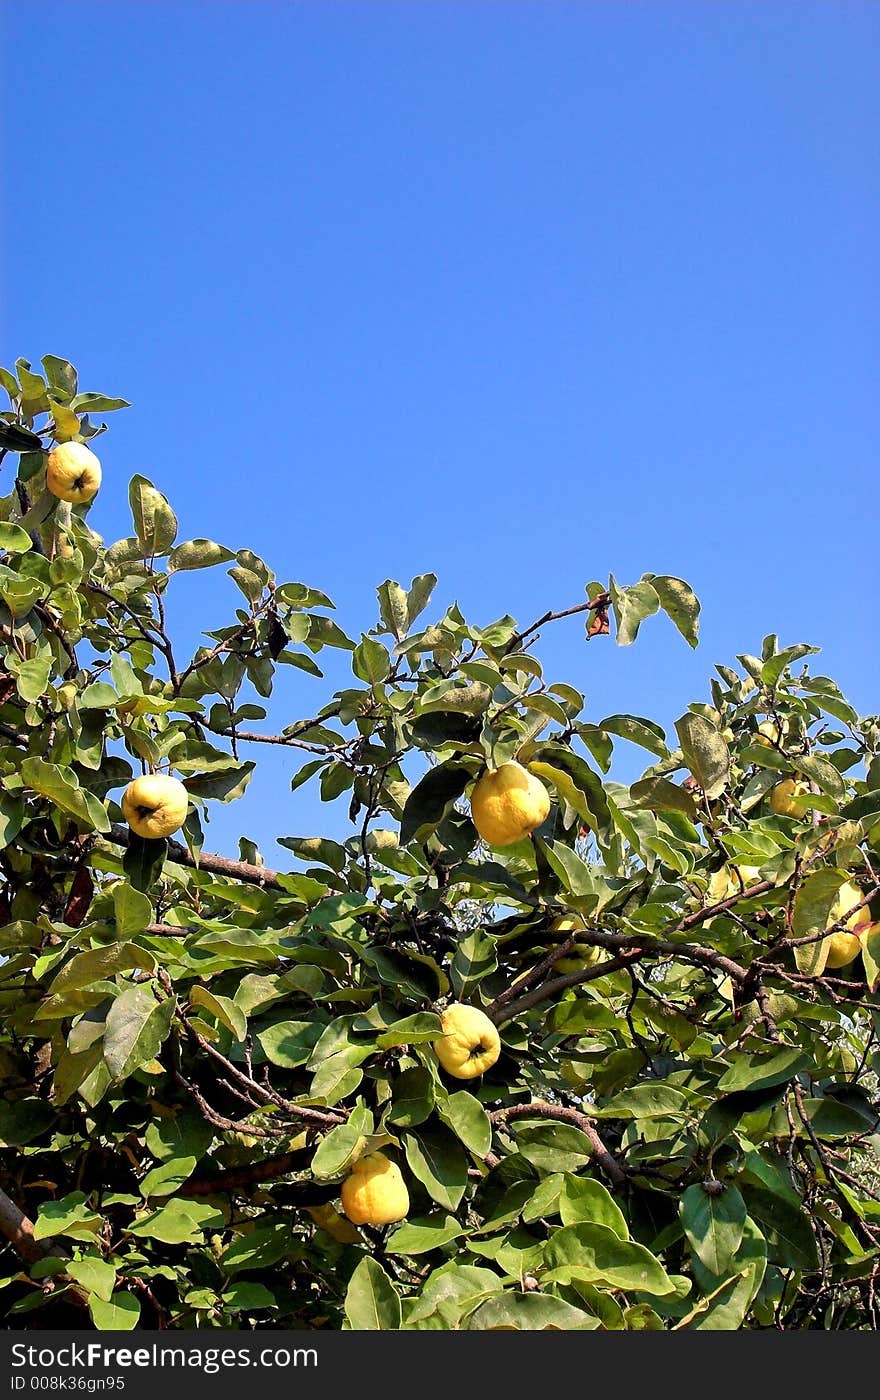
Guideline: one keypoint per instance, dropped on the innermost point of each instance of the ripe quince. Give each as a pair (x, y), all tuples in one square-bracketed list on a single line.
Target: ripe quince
[(73, 472), (374, 1193), (470, 1043), (155, 805), (508, 803)]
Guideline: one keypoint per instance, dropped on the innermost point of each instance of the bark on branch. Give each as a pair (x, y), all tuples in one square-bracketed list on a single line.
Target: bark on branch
[(559, 1114)]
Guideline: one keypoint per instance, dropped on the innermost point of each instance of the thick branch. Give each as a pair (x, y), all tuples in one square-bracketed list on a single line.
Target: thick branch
[(629, 947), (237, 1178), (19, 1231), (214, 865)]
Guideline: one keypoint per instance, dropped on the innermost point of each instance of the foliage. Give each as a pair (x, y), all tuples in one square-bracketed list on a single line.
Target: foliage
[(196, 1049)]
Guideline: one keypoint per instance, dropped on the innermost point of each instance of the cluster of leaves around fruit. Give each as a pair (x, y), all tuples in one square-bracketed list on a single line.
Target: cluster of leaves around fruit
[(195, 1049)]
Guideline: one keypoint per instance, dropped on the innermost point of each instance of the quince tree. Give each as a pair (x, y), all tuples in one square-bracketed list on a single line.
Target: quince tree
[(616, 1071)]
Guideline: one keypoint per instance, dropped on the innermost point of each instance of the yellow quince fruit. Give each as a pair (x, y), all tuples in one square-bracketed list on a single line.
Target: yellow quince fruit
[(786, 798), (374, 1192), (155, 805), (508, 803), (73, 472), (581, 955), (844, 946), (470, 1043)]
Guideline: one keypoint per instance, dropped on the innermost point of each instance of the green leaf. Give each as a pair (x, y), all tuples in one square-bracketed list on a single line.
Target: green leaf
[(760, 1071), (168, 1177), (573, 873), (531, 1312), (341, 1147), (143, 860), (437, 1159), (60, 787), (680, 604), (553, 1147), (60, 374), (288, 1044), (591, 1253), (155, 523), (413, 1098), (137, 1025), (474, 958), (182, 1134), (197, 554), (450, 1294), (13, 538), (726, 1309), (399, 608), (412, 1030), (371, 1300), (705, 753), (431, 798), (33, 678), (584, 1200), (99, 1278), (370, 661), (132, 909), (121, 1313), (645, 1101), (225, 1010), (787, 1228), (179, 1222), (713, 1223), (469, 1121), (639, 731), (69, 1215), (98, 963), (247, 1296), (97, 403), (659, 795), (22, 1120), (813, 905), (631, 607), (226, 786), (422, 1233)]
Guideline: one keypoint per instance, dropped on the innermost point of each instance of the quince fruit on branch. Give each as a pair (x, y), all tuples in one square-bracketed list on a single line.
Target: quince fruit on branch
[(374, 1193), (731, 880), (73, 473), (844, 946), (155, 805), (787, 797), (580, 956), (469, 1045), (508, 803)]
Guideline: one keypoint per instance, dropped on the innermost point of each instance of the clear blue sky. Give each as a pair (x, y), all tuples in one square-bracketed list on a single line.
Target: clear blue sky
[(514, 292)]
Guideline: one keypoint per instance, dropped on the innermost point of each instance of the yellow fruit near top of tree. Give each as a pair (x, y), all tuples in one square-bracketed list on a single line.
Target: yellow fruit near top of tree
[(768, 734), (845, 945), (470, 1043), (73, 473), (374, 1192), (155, 805), (508, 803), (730, 880), (787, 797)]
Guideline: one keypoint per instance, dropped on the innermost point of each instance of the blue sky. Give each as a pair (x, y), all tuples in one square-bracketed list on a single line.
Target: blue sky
[(519, 293)]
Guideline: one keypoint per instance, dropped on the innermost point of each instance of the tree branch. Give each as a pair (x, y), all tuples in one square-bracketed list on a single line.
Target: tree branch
[(214, 865), (559, 1114)]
